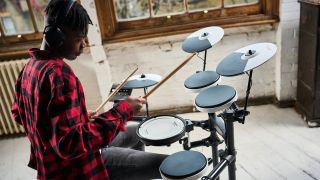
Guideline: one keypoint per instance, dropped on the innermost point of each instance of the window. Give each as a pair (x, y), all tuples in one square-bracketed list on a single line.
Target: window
[(139, 9), (122, 20), (21, 21)]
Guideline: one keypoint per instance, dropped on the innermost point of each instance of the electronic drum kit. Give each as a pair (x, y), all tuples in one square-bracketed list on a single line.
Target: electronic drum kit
[(163, 130)]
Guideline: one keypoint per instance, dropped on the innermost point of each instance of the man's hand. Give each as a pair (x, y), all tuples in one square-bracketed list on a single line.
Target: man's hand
[(136, 103), (92, 114)]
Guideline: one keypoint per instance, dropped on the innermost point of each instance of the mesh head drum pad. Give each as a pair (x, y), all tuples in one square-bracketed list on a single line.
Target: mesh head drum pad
[(216, 98), (184, 165), (161, 130), (201, 81)]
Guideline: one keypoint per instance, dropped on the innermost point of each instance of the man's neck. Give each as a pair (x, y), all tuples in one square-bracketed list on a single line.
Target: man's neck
[(44, 46)]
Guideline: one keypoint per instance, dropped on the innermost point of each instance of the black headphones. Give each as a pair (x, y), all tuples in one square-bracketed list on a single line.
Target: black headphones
[(53, 35)]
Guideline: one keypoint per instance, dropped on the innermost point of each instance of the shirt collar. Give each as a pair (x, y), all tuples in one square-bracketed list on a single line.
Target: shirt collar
[(40, 54)]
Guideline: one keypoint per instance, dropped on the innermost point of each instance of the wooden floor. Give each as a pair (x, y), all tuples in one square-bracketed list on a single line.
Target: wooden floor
[(272, 144)]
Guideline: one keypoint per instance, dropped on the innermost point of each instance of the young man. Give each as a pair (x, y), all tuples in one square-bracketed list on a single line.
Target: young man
[(50, 104)]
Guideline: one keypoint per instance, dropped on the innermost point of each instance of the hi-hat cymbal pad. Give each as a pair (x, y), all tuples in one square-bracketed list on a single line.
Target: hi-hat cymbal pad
[(201, 81), (202, 39), (246, 59), (142, 81)]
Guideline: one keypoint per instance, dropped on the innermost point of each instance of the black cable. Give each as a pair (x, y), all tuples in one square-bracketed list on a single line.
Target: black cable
[(247, 94), (200, 57)]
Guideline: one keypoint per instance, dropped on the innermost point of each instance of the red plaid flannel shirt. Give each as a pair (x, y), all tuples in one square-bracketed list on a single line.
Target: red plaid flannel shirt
[(50, 104)]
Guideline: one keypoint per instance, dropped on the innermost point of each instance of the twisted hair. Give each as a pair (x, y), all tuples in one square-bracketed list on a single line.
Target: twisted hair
[(76, 18)]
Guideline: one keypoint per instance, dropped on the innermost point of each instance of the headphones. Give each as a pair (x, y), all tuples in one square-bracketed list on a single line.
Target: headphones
[(53, 35)]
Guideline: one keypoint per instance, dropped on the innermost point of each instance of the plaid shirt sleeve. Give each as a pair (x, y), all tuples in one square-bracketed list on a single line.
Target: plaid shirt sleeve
[(73, 134), (15, 108), (15, 112)]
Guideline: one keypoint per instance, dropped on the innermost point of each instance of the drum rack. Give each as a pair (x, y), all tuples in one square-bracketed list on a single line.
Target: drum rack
[(212, 98), (221, 124), (217, 124)]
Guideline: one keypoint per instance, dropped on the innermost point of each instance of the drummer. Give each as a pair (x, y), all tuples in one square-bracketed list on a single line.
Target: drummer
[(50, 105)]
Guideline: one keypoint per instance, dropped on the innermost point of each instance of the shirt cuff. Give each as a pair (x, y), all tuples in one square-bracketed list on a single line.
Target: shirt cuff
[(125, 111)]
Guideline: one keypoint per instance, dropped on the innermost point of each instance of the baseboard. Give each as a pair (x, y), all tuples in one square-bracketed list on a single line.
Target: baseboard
[(285, 103)]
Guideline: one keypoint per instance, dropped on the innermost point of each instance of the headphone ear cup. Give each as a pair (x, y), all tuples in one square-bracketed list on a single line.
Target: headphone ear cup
[(54, 37)]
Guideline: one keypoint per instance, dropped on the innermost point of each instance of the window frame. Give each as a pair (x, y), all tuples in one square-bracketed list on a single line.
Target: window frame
[(16, 46), (12, 45), (265, 12)]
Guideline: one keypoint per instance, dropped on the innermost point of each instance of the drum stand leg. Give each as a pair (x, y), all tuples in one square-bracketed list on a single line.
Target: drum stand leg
[(214, 140), (225, 128), (230, 115), (229, 155), (231, 149)]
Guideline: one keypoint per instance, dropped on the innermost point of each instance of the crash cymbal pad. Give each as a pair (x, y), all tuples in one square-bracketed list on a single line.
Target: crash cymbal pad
[(202, 39), (246, 59)]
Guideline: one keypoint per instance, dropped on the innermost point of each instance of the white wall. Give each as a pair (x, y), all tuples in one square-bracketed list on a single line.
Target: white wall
[(98, 56), (287, 58)]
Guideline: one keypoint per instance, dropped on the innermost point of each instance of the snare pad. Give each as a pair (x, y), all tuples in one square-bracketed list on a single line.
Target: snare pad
[(161, 130)]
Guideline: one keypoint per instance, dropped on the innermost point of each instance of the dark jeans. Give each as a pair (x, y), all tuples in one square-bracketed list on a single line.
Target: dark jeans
[(125, 158)]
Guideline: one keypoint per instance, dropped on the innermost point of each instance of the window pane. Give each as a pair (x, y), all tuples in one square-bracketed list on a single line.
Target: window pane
[(15, 17), (38, 7), (203, 4), (131, 9), (238, 2), (166, 7)]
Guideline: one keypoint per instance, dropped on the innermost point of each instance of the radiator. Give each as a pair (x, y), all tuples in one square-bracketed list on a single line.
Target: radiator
[(9, 72)]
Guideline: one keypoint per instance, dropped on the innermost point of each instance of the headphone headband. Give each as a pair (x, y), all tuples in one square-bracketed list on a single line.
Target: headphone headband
[(63, 13), (69, 6)]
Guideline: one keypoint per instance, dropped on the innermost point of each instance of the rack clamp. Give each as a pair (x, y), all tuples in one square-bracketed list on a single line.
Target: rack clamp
[(235, 114)]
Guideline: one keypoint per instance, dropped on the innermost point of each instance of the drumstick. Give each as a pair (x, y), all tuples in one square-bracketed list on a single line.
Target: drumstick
[(169, 75), (116, 90)]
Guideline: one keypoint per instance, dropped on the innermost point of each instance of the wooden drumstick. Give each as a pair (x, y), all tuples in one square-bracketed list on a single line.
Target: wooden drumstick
[(168, 76), (116, 90)]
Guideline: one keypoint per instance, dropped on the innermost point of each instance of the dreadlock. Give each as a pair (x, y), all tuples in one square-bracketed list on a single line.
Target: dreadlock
[(77, 17)]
